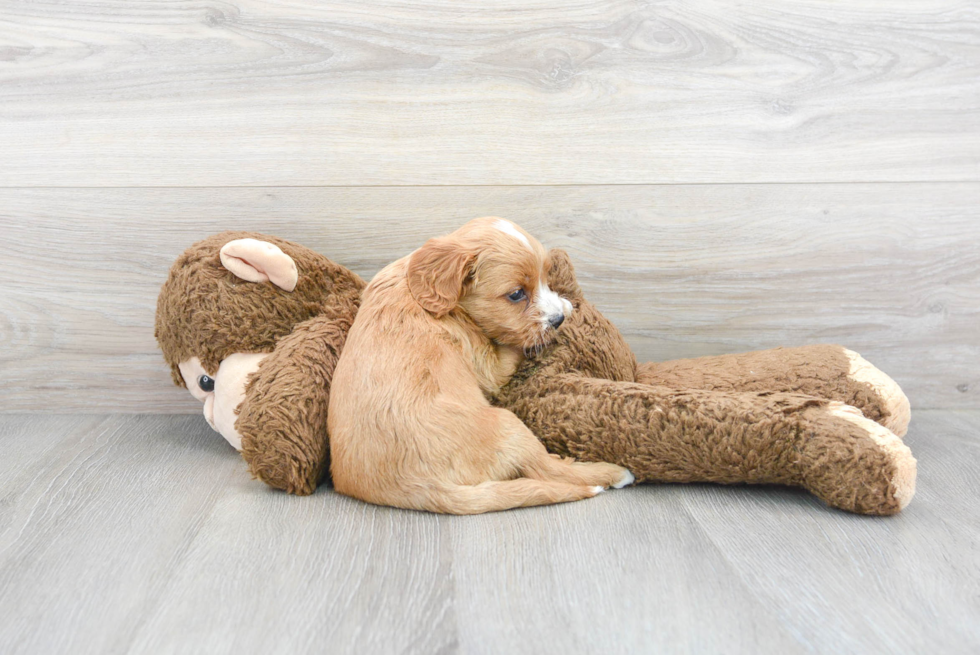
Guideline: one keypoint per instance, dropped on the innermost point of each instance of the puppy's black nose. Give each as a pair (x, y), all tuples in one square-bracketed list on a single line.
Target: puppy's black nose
[(556, 320)]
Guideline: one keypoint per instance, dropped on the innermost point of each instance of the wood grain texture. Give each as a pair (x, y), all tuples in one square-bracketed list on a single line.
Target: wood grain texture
[(289, 92), (892, 271), (144, 534), (819, 579), (93, 528)]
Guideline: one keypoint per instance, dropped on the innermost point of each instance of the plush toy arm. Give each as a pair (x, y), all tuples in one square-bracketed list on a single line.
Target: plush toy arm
[(669, 435), (825, 371), (283, 418)]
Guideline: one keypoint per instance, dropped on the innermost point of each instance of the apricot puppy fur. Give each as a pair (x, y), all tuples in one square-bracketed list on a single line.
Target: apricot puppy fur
[(409, 420)]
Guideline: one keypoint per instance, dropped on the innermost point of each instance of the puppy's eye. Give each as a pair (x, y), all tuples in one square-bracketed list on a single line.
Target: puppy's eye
[(517, 296), (206, 383)]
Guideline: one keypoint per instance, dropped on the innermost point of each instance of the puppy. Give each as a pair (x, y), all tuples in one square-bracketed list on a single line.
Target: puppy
[(409, 421)]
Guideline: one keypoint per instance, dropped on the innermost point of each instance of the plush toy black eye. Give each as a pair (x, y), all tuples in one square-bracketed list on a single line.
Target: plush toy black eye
[(206, 383), (517, 296)]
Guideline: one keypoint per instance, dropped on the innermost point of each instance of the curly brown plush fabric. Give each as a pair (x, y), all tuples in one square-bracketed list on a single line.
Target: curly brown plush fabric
[(283, 418)]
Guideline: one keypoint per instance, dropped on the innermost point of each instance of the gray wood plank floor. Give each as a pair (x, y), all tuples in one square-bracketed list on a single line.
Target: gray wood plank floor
[(144, 534)]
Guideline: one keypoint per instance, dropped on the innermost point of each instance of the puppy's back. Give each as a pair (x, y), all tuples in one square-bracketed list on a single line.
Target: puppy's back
[(379, 389)]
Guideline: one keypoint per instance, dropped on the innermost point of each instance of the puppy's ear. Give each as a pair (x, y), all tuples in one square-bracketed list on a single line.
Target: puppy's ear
[(260, 261), (437, 272)]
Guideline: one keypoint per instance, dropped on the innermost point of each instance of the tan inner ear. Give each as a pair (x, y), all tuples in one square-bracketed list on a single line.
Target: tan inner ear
[(260, 261)]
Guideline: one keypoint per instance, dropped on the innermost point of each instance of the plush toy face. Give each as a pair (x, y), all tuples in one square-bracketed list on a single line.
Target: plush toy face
[(222, 393), (222, 390), (227, 302)]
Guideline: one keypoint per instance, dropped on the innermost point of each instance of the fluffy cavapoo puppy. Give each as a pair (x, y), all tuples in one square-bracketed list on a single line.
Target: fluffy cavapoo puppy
[(409, 421)]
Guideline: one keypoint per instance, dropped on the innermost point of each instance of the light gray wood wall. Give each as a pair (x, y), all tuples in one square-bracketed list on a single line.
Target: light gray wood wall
[(726, 177), (890, 270), (286, 92)]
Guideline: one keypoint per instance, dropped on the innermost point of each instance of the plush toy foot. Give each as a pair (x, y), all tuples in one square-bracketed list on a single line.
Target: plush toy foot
[(896, 411), (853, 463)]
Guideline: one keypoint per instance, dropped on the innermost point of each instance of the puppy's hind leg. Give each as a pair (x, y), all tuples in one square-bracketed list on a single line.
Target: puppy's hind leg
[(494, 496), (552, 467), (534, 461)]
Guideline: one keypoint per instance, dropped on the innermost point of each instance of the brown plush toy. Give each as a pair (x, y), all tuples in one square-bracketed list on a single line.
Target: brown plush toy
[(253, 325), (817, 417)]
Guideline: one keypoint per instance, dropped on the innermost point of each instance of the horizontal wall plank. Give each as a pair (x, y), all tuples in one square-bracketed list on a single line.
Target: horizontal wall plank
[(264, 92), (891, 270)]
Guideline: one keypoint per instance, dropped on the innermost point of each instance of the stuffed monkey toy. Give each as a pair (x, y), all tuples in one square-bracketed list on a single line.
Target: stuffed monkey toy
[(252, 326), (817, 417)]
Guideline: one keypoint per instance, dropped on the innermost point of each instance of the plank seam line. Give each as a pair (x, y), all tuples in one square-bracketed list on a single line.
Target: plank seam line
[(450, 186)]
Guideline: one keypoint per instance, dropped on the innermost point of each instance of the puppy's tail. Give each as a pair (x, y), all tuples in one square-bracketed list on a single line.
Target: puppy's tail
[(494, 495)]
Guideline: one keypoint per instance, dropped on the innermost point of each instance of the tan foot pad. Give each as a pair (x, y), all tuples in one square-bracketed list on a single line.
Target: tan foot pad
[(896, 407)]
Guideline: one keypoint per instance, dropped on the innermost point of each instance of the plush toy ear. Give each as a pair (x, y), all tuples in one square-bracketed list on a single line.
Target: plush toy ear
[(436, 273), (260, 261), (561, 277)]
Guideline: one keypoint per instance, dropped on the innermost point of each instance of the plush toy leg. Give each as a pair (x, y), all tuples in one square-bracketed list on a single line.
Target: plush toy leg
[(283, 419), (824, 371), (671, 435)]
